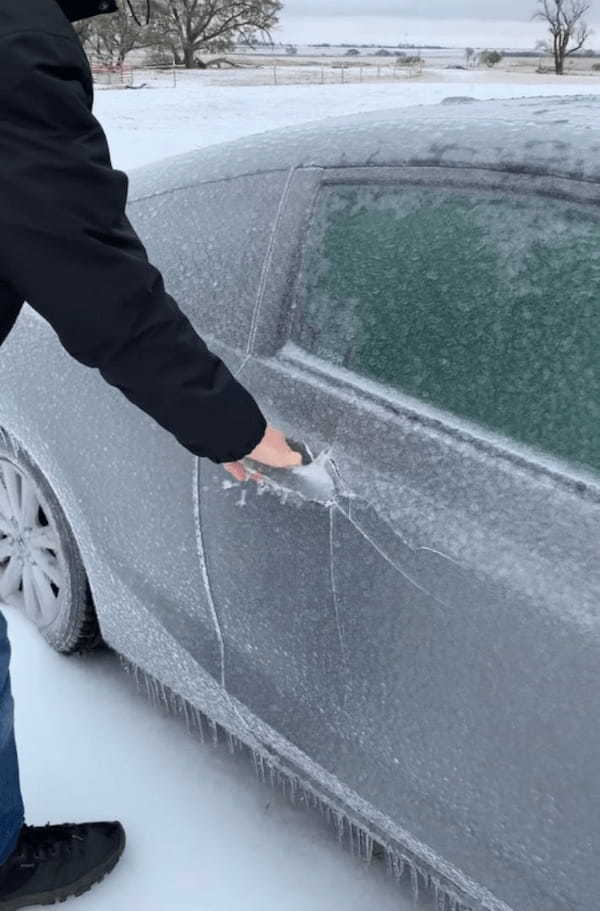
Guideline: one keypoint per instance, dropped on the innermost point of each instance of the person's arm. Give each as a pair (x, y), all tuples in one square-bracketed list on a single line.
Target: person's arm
[(67, 248)]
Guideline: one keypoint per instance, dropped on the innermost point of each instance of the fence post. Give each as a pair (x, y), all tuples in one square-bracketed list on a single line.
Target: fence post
[(274, 74), (343, 71)]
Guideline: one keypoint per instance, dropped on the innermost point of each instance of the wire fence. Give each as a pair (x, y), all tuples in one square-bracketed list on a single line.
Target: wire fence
[(129, 77), (340, 73)]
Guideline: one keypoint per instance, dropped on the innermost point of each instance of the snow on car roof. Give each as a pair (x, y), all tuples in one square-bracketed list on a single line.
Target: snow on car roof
[(550, 135)]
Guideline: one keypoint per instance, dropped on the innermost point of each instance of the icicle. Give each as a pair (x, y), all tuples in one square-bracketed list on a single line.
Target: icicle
[(259, 765), (400, 867), (163, 696), (212, 726), (438, 896), (351, 839), (199, 723), (388, 861), (283, 783), (136, 676), (414, 882), (187, 716), (340, 824), (263, 769), (362, 841)]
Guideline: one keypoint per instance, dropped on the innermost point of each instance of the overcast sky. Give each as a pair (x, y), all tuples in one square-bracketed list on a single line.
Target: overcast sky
[(485, 22), (424, 9)]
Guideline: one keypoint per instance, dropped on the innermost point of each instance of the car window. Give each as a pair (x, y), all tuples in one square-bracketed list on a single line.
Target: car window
[(210, 242), (482, 303)]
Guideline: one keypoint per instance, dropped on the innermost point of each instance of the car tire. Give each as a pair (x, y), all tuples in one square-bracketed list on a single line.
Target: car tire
[(41, 570)]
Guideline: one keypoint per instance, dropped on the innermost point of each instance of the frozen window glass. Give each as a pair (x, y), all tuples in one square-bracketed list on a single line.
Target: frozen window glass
[(486, 305)]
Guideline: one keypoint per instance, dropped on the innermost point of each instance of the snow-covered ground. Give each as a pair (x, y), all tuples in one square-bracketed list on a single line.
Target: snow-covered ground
[(204, 835)]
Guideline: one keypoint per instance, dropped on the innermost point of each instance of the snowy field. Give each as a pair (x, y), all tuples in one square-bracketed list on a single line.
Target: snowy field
[(204, 835)]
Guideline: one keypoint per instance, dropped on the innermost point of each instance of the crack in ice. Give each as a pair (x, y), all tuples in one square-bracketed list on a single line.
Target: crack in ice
[(338, 620), (204, 568), (268, 260), (388, 559), (264, 275), (201, 552)]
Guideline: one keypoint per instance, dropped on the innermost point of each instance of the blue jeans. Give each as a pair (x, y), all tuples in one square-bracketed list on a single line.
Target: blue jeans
[(11, 802)]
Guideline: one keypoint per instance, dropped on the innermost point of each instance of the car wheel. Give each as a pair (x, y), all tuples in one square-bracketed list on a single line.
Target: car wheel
[(41, 571)]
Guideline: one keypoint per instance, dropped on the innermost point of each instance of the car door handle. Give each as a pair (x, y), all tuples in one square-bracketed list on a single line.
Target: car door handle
[(313, 480)]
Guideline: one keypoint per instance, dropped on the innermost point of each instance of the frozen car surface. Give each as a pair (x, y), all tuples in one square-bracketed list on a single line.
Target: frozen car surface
[(407, 627)]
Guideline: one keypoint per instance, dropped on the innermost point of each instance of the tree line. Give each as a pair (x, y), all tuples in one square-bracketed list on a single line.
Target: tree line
[(180, 32)]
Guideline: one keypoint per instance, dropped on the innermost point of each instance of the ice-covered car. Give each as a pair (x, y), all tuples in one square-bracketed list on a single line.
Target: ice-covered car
[(406, 628)]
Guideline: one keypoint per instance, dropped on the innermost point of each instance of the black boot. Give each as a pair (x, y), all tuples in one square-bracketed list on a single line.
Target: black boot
[(50, 863)]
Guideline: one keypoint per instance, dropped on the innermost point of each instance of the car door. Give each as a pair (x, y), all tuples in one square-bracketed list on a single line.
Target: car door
[(443, 344), (266, 548)]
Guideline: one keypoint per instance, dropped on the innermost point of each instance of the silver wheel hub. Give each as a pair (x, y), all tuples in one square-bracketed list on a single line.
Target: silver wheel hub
[(32, 567)]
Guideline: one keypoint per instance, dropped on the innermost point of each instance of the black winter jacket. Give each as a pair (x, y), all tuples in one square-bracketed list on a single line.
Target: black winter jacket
[(68, 249)]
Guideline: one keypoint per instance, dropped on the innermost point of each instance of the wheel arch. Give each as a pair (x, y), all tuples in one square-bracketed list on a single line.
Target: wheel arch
[(27, 442)]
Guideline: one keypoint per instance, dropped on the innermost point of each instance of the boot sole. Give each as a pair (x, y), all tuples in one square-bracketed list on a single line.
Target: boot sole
[(84, 884)]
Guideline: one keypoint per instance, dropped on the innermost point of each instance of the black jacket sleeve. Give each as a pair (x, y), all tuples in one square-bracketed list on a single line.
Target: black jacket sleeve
[(68, 249), (10, 307)]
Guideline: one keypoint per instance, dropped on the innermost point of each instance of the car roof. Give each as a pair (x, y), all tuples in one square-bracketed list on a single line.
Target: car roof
[(544, 135)]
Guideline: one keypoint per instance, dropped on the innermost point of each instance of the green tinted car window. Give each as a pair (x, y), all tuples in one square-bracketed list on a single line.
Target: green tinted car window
[(485, 305)]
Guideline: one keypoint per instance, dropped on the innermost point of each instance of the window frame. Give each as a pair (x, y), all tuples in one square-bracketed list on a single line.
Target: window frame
[(285, 350)]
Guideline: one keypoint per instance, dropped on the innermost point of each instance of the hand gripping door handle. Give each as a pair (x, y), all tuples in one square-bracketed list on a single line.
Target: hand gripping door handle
[(313, 481)]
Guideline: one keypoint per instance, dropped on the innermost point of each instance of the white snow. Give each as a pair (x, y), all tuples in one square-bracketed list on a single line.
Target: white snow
[(204, 835)]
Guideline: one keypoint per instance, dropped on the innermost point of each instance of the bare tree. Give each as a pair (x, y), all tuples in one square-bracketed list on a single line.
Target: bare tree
[(189, 27), (567, 26), (109, 39), (84, 30)]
